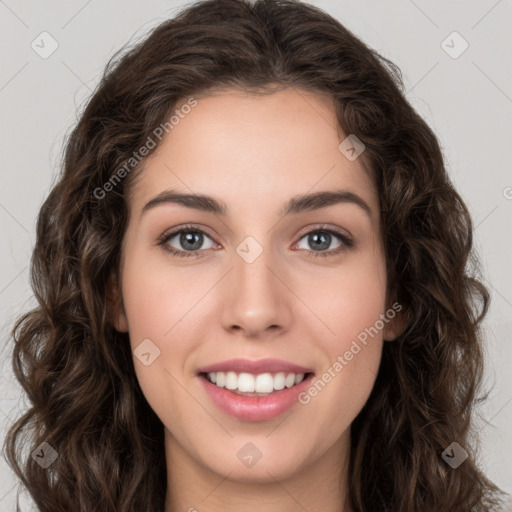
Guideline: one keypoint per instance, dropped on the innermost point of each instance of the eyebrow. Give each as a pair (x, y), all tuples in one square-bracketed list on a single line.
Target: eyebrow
[(297, 204)]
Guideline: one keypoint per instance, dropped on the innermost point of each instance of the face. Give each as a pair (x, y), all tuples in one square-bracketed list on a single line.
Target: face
[(254, 283)]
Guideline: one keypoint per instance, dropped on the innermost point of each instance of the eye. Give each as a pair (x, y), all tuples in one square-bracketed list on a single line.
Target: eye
[(190, 241), (321, 239)]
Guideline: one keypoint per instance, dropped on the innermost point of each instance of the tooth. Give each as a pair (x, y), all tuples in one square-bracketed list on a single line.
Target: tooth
[(220, 379), (231, 380), (279, 379), (264, 383), (246, 383), (290, 380)]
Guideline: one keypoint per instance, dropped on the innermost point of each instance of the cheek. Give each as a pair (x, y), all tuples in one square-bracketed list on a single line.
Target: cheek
[(351, 305), (157, 298), (156, 306), (162, 304), (358, 303), (349, 300)]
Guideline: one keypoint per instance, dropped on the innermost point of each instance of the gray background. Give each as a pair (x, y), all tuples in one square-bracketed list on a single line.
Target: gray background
[(466, 100)]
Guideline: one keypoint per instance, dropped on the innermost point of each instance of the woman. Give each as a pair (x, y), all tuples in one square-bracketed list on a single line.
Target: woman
[(320, 349)]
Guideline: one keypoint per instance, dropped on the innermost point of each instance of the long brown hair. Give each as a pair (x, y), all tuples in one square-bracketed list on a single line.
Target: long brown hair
[(77, 370)]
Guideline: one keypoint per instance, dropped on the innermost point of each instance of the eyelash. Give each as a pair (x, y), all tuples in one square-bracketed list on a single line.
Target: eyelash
[(346, 242)]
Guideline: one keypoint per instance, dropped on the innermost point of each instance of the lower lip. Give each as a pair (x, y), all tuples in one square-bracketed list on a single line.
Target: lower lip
[(255, 408)]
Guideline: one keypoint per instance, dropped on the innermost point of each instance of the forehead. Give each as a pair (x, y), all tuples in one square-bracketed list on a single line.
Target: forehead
[(254, 149)]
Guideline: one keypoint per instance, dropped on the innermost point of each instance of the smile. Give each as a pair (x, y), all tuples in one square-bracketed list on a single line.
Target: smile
[(248, 384)]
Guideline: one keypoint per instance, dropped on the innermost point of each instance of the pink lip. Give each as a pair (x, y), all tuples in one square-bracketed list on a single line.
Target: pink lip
[(255, 367), (255, 408)]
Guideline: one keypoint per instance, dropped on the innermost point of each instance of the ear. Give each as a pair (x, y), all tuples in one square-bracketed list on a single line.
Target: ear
[(397, 322), (115, 308)]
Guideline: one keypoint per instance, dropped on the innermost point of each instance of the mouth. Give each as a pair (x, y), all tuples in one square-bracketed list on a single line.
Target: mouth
[(254, 397), (255, 385), (247, 384)]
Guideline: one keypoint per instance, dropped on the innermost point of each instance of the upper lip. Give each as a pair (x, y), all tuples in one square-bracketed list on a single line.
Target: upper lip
[(255, 367)]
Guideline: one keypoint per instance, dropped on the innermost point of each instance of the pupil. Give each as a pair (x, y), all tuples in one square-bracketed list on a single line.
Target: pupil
[(186, 238), (322, 245)]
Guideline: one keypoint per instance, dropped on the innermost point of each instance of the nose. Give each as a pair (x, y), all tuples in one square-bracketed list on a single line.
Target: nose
[(257, 300)]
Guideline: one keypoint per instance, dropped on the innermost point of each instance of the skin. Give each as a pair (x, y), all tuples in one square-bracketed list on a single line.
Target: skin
[(254, 153)]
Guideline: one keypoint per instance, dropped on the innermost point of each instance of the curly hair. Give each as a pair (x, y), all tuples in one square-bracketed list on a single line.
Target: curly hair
[(77, 370)]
